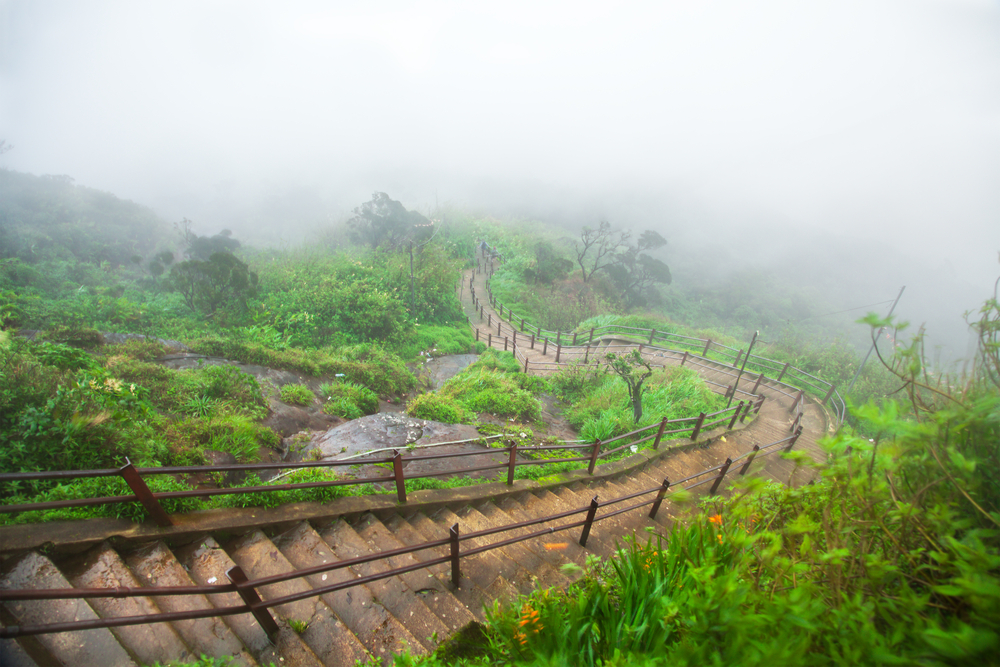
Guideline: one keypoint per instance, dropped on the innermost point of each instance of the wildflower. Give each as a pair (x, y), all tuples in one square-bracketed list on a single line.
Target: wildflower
[(717, 519)]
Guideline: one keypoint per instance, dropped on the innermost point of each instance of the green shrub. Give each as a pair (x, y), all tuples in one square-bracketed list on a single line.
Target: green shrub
[(492, 392), (63, 357), (439, 408), (363, 398), (343, 407), (238, 435), (297, 394), (438, 340)]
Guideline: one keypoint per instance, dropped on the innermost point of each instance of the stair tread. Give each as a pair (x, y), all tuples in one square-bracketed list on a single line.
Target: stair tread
[(102, 567), (393, 593), (468, 593), (438, 598), (374, 626), (12, 654), (525, 556), (327, 636), (155, 565), (90, 647), (207, 562)]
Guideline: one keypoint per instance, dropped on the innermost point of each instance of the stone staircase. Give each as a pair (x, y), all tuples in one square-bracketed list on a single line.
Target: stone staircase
[(417, 609)]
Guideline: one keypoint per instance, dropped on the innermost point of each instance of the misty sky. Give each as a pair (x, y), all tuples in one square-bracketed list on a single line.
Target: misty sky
[(873, 122)]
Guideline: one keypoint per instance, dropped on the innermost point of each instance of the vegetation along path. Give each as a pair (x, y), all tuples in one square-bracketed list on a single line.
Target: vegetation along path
[(417, 607)]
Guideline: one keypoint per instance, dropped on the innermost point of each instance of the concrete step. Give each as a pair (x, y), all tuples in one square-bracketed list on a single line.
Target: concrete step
[(488, 562), (472, 520), (545, 574), (392, 593), (356, 606), (84, 647), (102, 567), (481, 569), (554, 548), (156, 565), (468, 593), (437, 597), (13, 654), (330, 640), (207, 563)]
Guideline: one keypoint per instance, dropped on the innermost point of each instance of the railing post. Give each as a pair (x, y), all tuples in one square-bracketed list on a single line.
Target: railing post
[(489, 342), (746, 466), (697, 426), (791, 443), (659, 433), (144, 495), (684, 358), (522, 324), (512, 463), (798, 400), (651, 334), (539, 327), (738, 356), (477, 334), (757, 383), (590, 522), (782, 373), (250, 598), (746, 411), (558, 337), (729, 391), (515, 339), (736, 415), (545, 346), (722, 473), (659, 499), (525, 364), (456, 573), (558, 350), (795, 424), (574, 338), (829, 393), (593, 456), (760, 402), (489, 320), (586, 353), (499, 323), (481, 307), (708, 343), (397, 471), (504, 343), (591, 340)]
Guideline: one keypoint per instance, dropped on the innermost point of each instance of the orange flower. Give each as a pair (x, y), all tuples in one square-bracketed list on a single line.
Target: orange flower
[(556, 546), (717, 519)]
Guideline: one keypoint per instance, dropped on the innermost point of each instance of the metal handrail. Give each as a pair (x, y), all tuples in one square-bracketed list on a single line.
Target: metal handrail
[(259, 607)]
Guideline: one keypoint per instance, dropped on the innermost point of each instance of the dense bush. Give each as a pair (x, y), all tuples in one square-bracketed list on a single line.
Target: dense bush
[(440, 408), (349, 399), (297, 394)]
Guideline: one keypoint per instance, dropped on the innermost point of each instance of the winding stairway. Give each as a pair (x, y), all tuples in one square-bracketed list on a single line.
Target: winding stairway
[(416, 610)]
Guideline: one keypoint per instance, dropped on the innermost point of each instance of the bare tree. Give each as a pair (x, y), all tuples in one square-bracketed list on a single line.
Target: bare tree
[(598, 248)]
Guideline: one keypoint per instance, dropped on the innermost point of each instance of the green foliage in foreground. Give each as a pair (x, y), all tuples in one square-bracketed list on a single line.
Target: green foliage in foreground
[(891, 557)]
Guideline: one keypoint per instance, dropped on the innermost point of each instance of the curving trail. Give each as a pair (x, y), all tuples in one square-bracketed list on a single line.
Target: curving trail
[(417, 608)]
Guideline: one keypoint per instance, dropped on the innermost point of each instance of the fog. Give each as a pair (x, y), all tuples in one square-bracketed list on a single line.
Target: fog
[(852, 146)]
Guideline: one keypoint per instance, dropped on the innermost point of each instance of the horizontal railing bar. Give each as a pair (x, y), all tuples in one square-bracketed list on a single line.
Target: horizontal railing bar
[(521, 524), (452, 472), (332, 588), (535, 462)]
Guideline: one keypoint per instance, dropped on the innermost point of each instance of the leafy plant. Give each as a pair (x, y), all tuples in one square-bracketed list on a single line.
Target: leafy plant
[(297, 394)]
